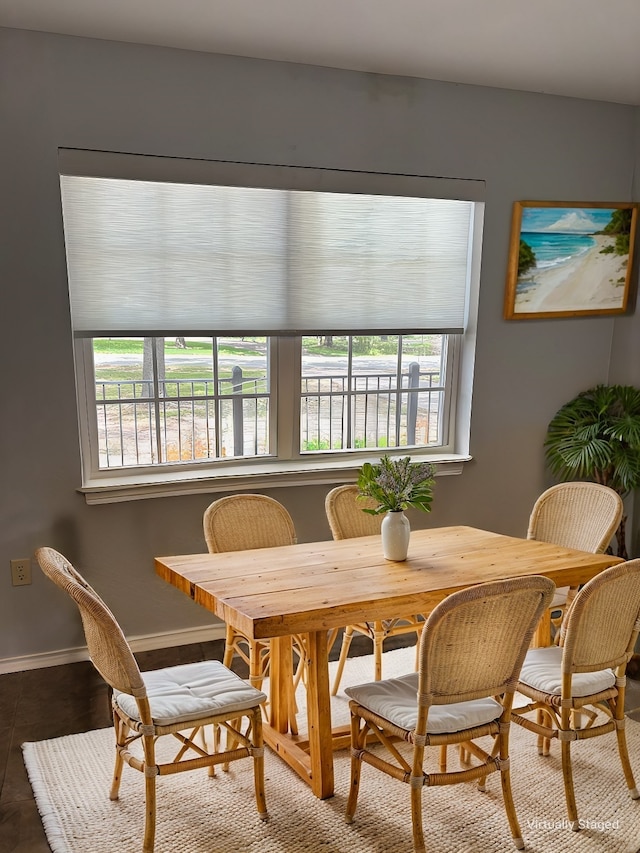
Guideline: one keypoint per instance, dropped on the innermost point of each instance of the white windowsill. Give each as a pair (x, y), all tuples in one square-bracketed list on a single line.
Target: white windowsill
[(270, 474)]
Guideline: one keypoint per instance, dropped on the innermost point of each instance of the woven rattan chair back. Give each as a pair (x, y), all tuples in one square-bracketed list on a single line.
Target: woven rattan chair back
[(345, 513), (576, 515), (472, 647), (573, 515), (474, 642), (239, 522), (601, 628), (109, 650)]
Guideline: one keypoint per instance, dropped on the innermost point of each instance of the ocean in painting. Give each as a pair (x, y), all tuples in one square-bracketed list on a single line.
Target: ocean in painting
[(552, 248), (558, 236)]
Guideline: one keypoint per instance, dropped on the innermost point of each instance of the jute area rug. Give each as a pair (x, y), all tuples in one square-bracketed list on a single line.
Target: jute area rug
[(71, 776)]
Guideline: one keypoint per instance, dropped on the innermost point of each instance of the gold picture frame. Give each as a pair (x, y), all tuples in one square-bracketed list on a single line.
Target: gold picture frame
[(569, 259)]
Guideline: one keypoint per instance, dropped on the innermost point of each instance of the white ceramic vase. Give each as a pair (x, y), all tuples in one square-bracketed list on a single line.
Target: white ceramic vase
[(395, 532)]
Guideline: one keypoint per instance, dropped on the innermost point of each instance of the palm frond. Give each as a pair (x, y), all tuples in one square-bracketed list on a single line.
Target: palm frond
[(596, 436)]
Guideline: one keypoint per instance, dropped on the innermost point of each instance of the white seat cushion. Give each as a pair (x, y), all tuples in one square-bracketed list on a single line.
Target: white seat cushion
[(542, 670), (191, 691), (396, 699)]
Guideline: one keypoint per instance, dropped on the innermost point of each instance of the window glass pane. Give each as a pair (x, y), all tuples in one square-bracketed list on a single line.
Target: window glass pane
[(323, 424), (126, 428), (374, 384), (175, 399), (371, 391), (423, 372)]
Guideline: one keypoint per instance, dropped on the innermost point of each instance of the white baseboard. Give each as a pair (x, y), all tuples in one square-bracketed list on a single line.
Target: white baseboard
[(143, 643)]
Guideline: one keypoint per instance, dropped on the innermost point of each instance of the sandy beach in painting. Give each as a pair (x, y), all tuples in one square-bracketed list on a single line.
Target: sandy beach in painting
[(590, 281)]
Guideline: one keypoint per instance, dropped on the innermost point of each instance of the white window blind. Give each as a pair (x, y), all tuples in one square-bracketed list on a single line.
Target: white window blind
[(161, 256)]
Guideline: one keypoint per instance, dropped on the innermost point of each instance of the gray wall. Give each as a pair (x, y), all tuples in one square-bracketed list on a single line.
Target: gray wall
[(63, 91), (625, 352)]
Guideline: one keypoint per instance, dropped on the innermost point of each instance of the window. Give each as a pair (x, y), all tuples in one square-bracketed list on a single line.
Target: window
[(166, 400), (380, 392), (193, 399), (233, 320)]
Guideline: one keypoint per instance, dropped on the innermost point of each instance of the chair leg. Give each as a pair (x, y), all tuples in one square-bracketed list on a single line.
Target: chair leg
[(256, 677), (442, 764), (149, 794), (378, 640), (507, 796), (332, 637), (119, 731), (293, 709), (416, 820), (258, 763), (344, 651), (215, 733), (300, 668), (256, 673), (416, 801), (626, 764), (623, 749), (229, 743), (567, 776), (228, 646), (358, 738), (567, 771), (464, 756), (544, 743)]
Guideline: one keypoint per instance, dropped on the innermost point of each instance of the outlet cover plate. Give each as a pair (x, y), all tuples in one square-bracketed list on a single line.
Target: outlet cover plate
[(21, 572)]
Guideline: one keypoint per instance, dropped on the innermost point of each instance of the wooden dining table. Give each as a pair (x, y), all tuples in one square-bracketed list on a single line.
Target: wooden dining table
[(313, 588)]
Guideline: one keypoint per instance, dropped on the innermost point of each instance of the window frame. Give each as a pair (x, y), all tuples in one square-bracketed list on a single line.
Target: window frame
[(286, 465)]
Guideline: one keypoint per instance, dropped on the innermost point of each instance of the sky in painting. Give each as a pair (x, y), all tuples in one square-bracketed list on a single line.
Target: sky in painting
[(573, 220)]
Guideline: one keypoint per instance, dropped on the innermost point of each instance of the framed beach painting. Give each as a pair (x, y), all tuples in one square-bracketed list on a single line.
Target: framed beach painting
[(569, 259)]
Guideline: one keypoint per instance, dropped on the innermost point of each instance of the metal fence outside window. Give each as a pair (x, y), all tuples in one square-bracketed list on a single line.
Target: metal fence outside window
[(145, 422)]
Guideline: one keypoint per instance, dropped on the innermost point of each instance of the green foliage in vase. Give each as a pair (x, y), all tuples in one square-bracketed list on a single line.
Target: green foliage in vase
[(396, 484)]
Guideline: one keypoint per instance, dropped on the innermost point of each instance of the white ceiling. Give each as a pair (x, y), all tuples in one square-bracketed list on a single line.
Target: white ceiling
[(581, 48)]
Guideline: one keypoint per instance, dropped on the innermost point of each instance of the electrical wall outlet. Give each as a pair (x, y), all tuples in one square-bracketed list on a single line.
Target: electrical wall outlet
[(21, 572)]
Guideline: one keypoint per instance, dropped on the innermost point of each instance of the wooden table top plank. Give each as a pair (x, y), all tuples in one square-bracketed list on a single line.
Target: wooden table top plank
[(348, 553), (277, 591), (293, 566)]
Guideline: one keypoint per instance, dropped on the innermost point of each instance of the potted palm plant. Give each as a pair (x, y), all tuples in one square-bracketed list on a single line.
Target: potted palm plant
[(596, 437)]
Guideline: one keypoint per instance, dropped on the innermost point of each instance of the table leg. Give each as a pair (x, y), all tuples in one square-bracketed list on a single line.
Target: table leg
[(542, 634), (319, 715), (280, 684)]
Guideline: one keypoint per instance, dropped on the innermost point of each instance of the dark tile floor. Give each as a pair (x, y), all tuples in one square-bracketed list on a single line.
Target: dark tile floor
[(48, 703)]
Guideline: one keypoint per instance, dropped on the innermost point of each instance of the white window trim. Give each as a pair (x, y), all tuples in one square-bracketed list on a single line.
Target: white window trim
[(265, 475), (291, 469)]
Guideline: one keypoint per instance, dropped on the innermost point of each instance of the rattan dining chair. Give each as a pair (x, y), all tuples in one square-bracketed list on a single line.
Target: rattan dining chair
[(179, 701), (237, 523), (347, 520), (585, 673), (575, 515), (471, 649)]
